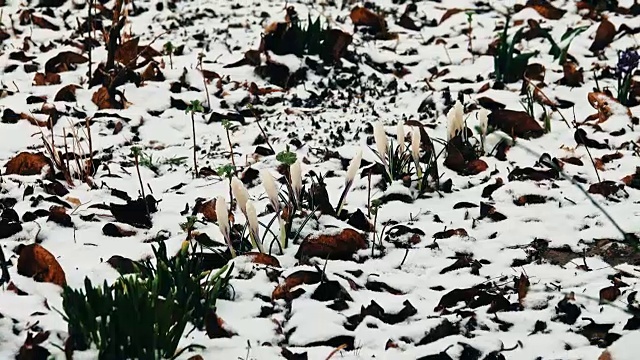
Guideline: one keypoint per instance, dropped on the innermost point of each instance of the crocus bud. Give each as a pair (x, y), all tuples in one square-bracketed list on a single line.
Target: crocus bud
[(415, 144), (354, 165), (483, 118), (270, 187), (456, 120), (252, 217), (223, 222), (296, 178), (382, 142), (241, 194), (400, 137)]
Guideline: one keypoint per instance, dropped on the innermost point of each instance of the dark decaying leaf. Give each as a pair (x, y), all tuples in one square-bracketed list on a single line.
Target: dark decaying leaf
[(605, 34), (26, 163), (515, 123), (31, 349), (67, 93), (115, 230), (331, 291), (300, 277), (289, 355), (123, 265), (340, 246), (605, 188), (376, 311), (64, 61), (58, 214), (38, 263), (215, 327), (135, 212)]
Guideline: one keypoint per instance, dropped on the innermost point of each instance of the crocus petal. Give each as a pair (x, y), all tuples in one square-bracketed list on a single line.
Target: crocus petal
[(240, 193), (270, 187), (415, 144), (400, 136), (354, 165), (382, 142)]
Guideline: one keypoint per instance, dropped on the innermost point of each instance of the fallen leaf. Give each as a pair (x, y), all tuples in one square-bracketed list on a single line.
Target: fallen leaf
[(535, 72), (38, 263), (341, 246), (449, 13), (545, 9), (264, 259), (41, 79), (605, 34), (114, 230), (605, 188), (366, 17), (31, 349), (58, 214), (606, 105), (104, 100), (64, 61), (215, 326), (127, 52), (609, 294), (67, 93), (633, 180), (530, 199), (26, 163), (299, 277), (516, 123), (134, 212), (152, 73), (335, 45), (44, 23), (449, 233), (572, 76)]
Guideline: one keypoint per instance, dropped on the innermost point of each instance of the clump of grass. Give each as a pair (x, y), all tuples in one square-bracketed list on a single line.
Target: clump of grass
[(144, 316), (507, 63)]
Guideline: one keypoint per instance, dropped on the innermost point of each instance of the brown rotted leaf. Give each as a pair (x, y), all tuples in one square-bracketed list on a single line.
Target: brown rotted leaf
[(530, 199), (523, 287), (605, 159), (572, 76), (606, 355), (31, 349), (104, 100), (341, 246), (449, 233), (215, 327), (264, 259), (58, 215), (606, 105), (67, 93), (41, 79), (115, 230), (475, 167), (516, 123), (605, 188), (366, 17), (64, 61), (26, 163), (633, 180), (455, 296), (300, 277), (604, 35), (490, 104), (38, 263), (454, 160), (609, 294), (255, 90), (449, 13), (535, 72), (209, 75), (152, 73), (208, 210), (489, 211), (127, 52), (545, 9), (44, 23), (335, 45)]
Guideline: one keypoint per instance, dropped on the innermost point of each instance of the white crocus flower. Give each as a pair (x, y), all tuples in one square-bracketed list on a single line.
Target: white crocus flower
[(223, 222), (241, 194), (254, 228), (483, 118), (354, 165), (382, 143), (270, 187), (456, 120), (296, 178), (400, 137), (415, 144)]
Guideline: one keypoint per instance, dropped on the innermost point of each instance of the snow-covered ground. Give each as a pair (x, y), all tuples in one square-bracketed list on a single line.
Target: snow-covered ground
[(565, 247)]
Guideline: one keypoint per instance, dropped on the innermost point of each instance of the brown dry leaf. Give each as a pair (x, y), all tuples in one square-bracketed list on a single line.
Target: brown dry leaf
[(490, 104), (572, 160), (475, 167), (300, 277), (633, 180), (264, 259), (609, 294), (64, 61), (604, 35), (152, 73), (215, 327), (449, 13), (41, 79), (516, 123), (545, 9), (210, 75), (606, 105), (44, 23), (606, 355), (335, 44), (58, 214), (572, 76), (103, 100), (67, 93), (605, 159), (605, 188), (449, 233), (255, 90), (26, 163), (38, 263), (535, 72), (523, 287), (341, 246), (115, 230), (366, 17), (127, 52)]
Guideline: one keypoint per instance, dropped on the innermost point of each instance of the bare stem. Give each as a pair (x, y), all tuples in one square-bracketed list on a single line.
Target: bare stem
[(193, 129)]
